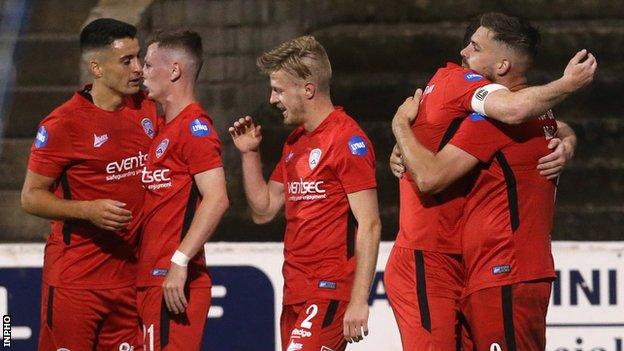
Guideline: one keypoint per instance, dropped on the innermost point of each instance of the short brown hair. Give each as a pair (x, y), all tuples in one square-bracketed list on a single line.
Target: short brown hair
[(185, 40), (303, 57), (515, 32)]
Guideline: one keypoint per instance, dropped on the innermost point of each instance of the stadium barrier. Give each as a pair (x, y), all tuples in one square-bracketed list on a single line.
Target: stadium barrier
[(586, 309)]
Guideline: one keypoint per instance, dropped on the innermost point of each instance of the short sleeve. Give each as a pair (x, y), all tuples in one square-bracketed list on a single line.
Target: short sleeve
[(480, 137), (278, 171), (201, 147), (461, 86), (51, 151), (355, 162)]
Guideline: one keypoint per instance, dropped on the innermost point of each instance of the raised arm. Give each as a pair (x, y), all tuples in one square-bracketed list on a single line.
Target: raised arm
[(519, 106), (264, 199)]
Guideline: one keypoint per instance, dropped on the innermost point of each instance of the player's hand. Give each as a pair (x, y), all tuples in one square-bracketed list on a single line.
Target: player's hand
[(355, 323), (552, 164), (406, 113), (580, 70), (246, 135), (396, 162), (107, 214), (173, 289)]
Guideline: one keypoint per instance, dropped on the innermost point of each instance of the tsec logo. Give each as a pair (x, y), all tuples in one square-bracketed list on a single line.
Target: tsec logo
[(357, 146), (199, 128), (472, 77), (42, 137)]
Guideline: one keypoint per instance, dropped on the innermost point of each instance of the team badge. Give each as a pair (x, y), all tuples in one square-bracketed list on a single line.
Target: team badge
[(472, 77), (357, 145), (148, 127), (476, 117), (42, 137), (162, 147), (315, 156), (199, 128)]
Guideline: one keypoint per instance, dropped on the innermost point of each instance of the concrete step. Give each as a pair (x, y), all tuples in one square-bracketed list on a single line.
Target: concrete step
[(423, 47), (379, 11), (47, 59), (17, 225), (29, 105), (590, 222), (14, 158), (55, 16)]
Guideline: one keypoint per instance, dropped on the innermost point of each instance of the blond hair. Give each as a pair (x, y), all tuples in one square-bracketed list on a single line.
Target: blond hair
[(302, 57)]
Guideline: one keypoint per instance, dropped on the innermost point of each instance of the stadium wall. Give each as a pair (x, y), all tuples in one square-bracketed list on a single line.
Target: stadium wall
[(586, 311)]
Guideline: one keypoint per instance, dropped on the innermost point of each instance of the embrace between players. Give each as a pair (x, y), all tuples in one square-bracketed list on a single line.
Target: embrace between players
[(478, 154)]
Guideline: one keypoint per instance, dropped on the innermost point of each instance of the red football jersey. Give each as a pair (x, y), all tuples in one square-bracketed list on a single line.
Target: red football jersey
[(318, 170), (509, 212), (94, 154), (429, 222), (185, 146)]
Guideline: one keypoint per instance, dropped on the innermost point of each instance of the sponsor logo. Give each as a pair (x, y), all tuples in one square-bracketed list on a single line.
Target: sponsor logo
[(428, 89), (199, 128), (99, 140), (302, 333), (148, 127), (294, 346), (302, 190), (501, 269), (126, 167), (124, 346), (315, 156), (357, 146), (158, 176), (324, 284), (481, 94), (476, 117), (289, 157), (162, 147), (495, 347), (472, 77), (41, 139), (159, 272)]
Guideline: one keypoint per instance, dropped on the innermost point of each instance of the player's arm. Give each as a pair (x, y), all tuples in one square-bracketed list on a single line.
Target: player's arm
[(365, 209), (211, 185), (38, 199), (563, 147), (264, 199), (519, 106), (431, 172)]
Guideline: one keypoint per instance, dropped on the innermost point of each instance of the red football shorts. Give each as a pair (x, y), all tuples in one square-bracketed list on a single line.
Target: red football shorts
[(163, 330), (508, 318), (424, 290), (82, 319), (313, 325)]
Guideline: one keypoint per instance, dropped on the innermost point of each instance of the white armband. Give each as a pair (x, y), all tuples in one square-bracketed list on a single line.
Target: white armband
[(180, 258), (478, 99)]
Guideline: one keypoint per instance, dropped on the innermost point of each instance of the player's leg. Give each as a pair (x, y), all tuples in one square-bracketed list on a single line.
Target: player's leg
[(120, 331), (166, 331), (423, 289), (70, 318), (509, 318), (319, 326)]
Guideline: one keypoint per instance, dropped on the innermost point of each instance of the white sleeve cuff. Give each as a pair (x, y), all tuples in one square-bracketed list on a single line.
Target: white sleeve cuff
[(478, 99)]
